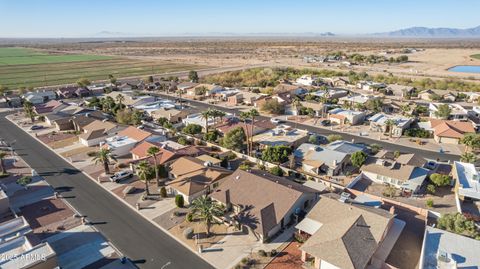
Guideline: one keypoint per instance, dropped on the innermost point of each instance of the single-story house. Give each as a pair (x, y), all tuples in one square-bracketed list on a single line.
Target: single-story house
[(281, 135), (39, 97), (80, 121), (262, 202), (195, 177), (347, 236), (342, 116), (406, 177), (125, 140), (67, 92), (467, 182), (450, 132), (444, 249), (49, 107), (378, 123), (173, 115), (457, 112), (96, 132)]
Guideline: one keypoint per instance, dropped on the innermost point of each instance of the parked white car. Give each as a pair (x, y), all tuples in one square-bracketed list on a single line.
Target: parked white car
[(118, 176), (276, 120)]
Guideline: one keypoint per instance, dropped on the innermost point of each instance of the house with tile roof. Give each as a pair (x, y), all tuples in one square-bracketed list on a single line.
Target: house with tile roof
[(169, 151), (194, 177), (262, 202), (127, 139), (450, 132), (347, 236)]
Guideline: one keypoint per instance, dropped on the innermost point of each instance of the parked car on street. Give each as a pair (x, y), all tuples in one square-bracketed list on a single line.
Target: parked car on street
[(121, 175)]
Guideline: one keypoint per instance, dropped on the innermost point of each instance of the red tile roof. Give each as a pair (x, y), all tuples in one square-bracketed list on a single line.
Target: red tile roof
[(451, 129)]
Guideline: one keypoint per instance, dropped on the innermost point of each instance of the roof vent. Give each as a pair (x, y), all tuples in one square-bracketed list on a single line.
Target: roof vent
[(207, 164), (237, 177)]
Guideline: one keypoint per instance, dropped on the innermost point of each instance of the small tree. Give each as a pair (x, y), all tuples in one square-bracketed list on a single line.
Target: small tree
[(313, 139), (431, 189), (24, 181), (390, 191), (276, 170), (234, 139), (179, 202), (83, 82), (440, 180), (443, 111), (471, 141), (192, 129), (276, 154), (468, 157), (211, 136), (358, 158), (144, 172), (375, 148), (193, 76), (273, 107), (429, 203)]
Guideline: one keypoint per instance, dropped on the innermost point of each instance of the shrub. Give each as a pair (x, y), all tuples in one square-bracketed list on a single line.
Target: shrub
[(183, 141), (244, 166), (179, 200), (417, 132), (334, 137), (431, 189), (440, 180), (188, 233), (262, 253), (273, 253), (276, 170), (25, 180), (163, 192), (189, 217), (192, 129), (429, 203)]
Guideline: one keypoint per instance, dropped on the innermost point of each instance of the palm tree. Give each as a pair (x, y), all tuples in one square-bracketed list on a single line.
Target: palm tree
[(3, 154), (244, 116), (389, 126), (104, 156), (144, 172), (205, 209), (218, 114), (296, 104), (206, 115), (28, 109), (107, 104), (253, 113), (471, 141), (153, 151), (120, 98), (468, 157)]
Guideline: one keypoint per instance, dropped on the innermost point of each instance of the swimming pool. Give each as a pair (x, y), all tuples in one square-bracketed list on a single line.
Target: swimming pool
[(465, 68)]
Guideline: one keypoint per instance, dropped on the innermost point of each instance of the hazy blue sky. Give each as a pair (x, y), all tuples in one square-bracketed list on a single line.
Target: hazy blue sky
[(80, 18)]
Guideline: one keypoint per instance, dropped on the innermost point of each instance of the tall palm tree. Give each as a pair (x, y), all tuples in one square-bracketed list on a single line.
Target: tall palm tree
[(153, 151), (144, 172), (120, 98), (253, 114), (468, 157), (471, 141), (218, 114), (3, 154), (104, 156), (29, 112), (205, 209), (206, 115), (244, 116)]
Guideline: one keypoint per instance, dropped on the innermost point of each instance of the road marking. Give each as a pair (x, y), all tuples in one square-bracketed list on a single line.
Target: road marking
[(165, 265)]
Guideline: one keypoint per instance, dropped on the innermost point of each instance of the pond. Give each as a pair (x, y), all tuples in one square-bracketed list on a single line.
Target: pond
[(465, 68)]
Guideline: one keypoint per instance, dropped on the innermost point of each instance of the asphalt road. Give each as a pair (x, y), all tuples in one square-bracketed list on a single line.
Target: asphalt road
[(427, 154), (135, 237)]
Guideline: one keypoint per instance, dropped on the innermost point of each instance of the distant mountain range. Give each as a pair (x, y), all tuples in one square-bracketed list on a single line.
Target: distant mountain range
[(432, 32)]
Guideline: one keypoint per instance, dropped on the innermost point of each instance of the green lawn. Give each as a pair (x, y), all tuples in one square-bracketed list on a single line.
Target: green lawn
[(475, 56), (20, 56), (21, 67)]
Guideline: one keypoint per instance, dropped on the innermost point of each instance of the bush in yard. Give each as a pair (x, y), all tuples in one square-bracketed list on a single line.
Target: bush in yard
[(183, 141), (189, 217), (334, 137), (276, 170), (192, 129), (262, 253), (431, 189), (163, 192), (179, 200), (273, 253), (25, 180), (188, 233), (417, 132), (358, 158), (440, 180), (429, 203)]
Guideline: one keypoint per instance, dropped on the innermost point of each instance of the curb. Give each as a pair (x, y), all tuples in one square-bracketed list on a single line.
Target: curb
[(118, 198)]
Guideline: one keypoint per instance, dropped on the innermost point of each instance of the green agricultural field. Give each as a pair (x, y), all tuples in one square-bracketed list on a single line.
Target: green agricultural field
[(21, 67), (475, 56)]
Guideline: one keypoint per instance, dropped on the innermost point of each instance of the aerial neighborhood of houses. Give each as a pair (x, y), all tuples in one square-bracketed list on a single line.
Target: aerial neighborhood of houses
[(332, 173)]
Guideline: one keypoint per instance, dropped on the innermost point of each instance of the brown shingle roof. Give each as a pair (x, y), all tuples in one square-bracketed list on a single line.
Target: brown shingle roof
[(256, 192), (348, 235)]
